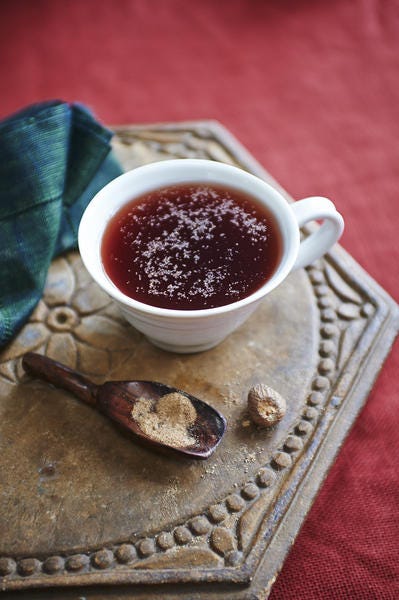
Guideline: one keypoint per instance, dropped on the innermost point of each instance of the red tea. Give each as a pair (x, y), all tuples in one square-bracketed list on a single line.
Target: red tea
[(191, 246)]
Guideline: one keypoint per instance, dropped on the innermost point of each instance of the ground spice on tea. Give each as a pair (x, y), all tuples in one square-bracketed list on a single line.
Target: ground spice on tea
[(166, 421)]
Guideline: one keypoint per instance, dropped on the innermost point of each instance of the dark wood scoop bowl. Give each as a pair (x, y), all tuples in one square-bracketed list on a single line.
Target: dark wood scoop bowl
[(116, 399)]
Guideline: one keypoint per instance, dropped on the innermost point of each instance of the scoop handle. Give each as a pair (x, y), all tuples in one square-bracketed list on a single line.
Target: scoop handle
[(61, 376)]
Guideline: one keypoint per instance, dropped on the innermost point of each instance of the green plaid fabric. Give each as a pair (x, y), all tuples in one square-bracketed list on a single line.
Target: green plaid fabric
[(54, 157)]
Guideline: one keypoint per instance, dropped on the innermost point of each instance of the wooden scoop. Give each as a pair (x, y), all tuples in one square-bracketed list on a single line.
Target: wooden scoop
[(158, 415)]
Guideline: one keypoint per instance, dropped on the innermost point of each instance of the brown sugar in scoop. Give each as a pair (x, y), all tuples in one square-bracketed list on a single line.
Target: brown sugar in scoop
[(167, 421)]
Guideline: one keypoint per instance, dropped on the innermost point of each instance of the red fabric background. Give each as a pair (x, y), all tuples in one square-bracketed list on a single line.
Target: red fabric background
[(312, 89)]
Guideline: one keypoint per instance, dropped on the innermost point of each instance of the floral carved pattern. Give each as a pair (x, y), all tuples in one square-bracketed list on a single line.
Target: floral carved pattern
[(67, 322)]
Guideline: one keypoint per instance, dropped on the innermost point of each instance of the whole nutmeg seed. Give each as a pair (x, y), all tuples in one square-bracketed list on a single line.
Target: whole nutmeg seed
[(266, 406)]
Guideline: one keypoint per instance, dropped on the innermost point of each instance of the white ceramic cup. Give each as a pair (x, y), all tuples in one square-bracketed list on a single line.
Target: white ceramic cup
[(187, 331)]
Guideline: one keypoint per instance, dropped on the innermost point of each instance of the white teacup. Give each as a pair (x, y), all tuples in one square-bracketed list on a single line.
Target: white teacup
[(187, 331)]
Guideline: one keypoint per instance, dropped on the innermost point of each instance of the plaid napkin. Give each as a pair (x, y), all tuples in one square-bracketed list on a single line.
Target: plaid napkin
[(54, 157)]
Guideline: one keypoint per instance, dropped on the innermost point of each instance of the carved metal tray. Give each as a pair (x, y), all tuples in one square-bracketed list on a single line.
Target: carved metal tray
[(81, 505)]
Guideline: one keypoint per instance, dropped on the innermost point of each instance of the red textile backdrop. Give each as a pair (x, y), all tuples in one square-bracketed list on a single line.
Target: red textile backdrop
[(312, 89)]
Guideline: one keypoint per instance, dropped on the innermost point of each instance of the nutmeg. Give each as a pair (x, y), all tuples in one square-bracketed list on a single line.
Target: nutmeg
[(266, 406)]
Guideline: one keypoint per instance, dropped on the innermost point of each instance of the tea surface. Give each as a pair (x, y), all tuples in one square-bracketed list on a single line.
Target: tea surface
[(191, 247)]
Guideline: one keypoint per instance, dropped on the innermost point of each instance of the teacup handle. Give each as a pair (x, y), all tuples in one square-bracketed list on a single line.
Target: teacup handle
[(319, 242)]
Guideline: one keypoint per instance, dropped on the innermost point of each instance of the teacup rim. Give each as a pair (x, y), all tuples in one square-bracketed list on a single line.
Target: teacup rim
[(100, 276)]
